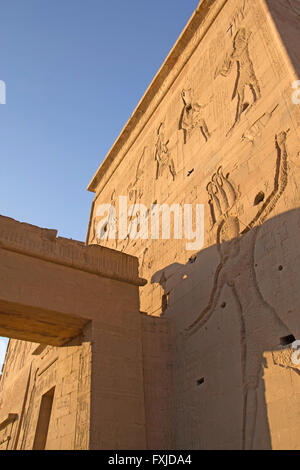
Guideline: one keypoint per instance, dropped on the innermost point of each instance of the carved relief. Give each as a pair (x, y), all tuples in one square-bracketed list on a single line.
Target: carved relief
[(222, 195), (16, 355), (192, 117), (246, 76), (83, 401), (28, 421), (162, 154), (135, 193), (256, 129), (109, 226), (237, 18), (236, 270), (280, 181), (134, 190)]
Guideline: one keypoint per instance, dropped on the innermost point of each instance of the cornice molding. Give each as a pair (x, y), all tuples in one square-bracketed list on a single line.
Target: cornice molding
[(199, 24), (43, 244)]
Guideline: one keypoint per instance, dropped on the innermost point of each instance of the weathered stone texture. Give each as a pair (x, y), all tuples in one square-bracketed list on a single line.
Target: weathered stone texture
[(64, 294), (209, 365), (218, 126)]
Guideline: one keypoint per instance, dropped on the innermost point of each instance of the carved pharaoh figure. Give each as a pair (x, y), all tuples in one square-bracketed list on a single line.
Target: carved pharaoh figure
[(237, 271), (134, 195), (191, 116), (162, 154), (245, 72)]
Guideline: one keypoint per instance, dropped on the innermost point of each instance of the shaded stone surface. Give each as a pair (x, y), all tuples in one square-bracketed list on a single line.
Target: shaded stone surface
[(206, 366)]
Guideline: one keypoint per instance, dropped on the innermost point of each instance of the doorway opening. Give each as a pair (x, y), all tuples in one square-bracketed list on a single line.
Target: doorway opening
[(42, 427)]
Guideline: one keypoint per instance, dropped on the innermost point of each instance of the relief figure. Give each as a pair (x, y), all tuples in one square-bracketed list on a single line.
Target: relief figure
[(192, 116), (162, 156), (260, 326), (246, 76)]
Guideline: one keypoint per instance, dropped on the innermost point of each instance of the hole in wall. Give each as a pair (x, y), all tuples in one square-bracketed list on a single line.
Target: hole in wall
[(280, 268), (165, 301), (260, 197), (285, 340), (223, 305), (200, 381)]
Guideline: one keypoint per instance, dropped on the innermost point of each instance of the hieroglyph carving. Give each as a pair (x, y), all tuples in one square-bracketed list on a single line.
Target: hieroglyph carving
[(237, 18), (222, 195), (256, 129), (162, 154), (245, 73), (192, 117), (134, 194)]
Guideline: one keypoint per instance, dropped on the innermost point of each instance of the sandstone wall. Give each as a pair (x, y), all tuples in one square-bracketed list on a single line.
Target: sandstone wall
[(29, 374), (218, 127), (85, 302)]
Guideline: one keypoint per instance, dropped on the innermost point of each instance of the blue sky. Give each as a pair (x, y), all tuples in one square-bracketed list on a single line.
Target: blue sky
[(74, 72)]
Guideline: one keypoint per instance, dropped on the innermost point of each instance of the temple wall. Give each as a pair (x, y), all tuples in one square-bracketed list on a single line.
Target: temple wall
[(85, 390), (27, 376), (222, 130), (97, 382), (158, 353), (210, 364)]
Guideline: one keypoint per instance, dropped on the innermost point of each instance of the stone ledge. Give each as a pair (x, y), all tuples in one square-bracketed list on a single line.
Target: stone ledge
[(11, 417), (44, 244)]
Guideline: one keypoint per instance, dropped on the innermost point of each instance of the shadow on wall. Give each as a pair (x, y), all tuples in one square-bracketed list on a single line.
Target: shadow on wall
[(230, 305), (286, 16)]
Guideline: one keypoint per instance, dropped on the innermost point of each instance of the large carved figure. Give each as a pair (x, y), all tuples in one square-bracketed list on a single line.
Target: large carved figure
[(162, 154), (108, 232), (222, 195), (260, 326), (191, 116), (134, 194), (245, 72)]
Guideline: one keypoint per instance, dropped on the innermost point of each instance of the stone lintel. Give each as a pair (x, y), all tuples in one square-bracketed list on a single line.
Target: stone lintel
[(44, 244)]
